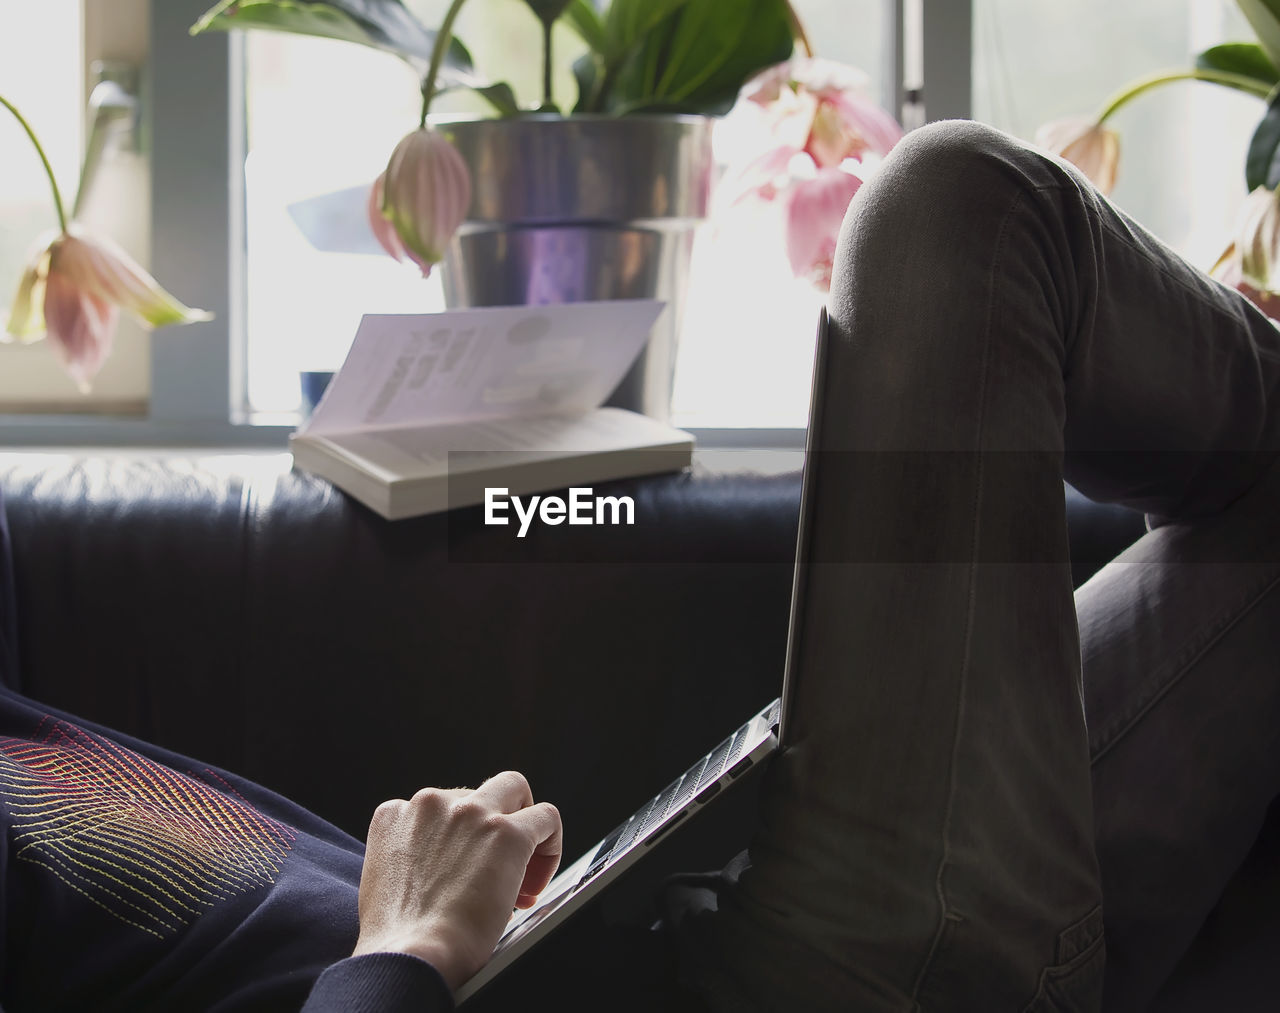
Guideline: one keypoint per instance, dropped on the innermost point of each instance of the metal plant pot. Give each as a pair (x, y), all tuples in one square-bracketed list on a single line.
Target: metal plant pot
[(580, 208)]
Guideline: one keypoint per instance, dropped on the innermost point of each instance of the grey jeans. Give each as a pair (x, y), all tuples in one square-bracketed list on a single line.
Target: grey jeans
[(997, 797)]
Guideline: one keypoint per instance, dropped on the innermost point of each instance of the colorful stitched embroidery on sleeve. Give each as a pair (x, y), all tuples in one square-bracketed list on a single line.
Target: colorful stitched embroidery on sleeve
[(150, 845)]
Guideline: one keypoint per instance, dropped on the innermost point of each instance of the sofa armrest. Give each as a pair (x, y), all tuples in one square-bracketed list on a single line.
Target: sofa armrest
[(258, 619)]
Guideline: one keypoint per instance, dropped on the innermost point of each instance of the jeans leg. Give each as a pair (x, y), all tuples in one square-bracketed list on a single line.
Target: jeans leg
[(927, 838), (1182, 693)]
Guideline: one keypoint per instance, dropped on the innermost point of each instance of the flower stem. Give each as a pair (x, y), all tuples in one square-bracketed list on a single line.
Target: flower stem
[(797, 30), (1238, 81), (48, 169), (547, 104), (443, 37)]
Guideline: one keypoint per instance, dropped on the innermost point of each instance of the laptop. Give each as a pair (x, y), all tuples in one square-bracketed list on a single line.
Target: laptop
[(699, 786)]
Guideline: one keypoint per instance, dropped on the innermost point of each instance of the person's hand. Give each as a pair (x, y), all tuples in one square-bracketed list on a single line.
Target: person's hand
[(443, 871)]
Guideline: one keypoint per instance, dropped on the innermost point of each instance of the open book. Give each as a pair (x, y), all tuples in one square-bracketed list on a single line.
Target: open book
[(434, 411)]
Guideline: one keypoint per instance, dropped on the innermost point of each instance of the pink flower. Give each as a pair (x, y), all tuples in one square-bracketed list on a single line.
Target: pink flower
[(815, 212), (416, 206), (822, 108), (1251, 264), (1227, 270), (383, 231), (821, 135), (72, 291), (1086, 144), (813, 108), (763, 177), (1258, 240)]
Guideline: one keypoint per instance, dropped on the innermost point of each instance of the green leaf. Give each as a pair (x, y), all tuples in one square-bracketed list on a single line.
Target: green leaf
[(767, 40), (583, 19), (1244, 58), (1264, 18), (547, 11), (629, 21), (1262, 162), (586, 70), (632, 81), (500, 96), (383, 24), (703, 42), (628, 27), (703, 56), (302, 19)]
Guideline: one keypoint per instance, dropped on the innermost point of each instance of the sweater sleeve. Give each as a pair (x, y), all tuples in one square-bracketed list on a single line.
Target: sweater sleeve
[(380, 983)]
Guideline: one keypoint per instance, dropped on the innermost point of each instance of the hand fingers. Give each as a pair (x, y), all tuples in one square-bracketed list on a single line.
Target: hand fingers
[(537, 875), (542, 824), (538, 824), (542, 827), (508, 792)]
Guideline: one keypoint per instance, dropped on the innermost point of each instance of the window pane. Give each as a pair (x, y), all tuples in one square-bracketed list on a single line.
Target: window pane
[(1182, 168), (40, 72), (746, 351), (324, 116)]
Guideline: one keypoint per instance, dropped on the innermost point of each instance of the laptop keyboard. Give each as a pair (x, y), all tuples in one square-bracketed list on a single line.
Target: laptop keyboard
[(693, 781)]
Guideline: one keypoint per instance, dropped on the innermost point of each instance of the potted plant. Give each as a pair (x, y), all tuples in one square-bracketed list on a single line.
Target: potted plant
[(1251, 261), (544, 205)]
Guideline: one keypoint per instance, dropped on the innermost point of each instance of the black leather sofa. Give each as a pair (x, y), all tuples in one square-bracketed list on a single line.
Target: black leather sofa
[(256, 618)]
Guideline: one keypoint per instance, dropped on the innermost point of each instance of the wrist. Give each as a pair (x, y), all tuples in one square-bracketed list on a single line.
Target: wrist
[(428, 947)]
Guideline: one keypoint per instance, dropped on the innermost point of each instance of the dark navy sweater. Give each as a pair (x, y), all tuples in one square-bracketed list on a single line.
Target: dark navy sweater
[(137, 879)]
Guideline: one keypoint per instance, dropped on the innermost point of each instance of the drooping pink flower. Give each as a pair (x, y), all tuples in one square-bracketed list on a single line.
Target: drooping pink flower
[(26, 312), (1086, 144), (1251, 262), (1258, 240), (1228, 271), (383, 231), (422, 197), (823, 108), (72, 290), (762, 178), (815, 211), (810, 135)]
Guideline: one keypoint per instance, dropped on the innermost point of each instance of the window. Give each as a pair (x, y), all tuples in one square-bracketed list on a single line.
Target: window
[(177, 389), (41, 73), (323, 117), (746, 351), (243, 128), (1182, 167), (48, 68)]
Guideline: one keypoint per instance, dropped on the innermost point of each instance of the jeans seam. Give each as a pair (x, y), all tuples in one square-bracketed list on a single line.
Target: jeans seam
[(1159, 267), (1195, 294), (1183, 664), (945, 914)]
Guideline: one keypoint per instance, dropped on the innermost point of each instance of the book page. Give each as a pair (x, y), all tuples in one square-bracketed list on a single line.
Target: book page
[(485, 363)]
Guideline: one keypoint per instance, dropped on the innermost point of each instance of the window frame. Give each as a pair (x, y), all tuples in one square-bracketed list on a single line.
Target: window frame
[(198, 379), (194, 369)]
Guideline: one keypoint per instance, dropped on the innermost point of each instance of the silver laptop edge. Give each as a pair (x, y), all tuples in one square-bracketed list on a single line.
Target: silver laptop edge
[(804, 535), (688, 794)]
